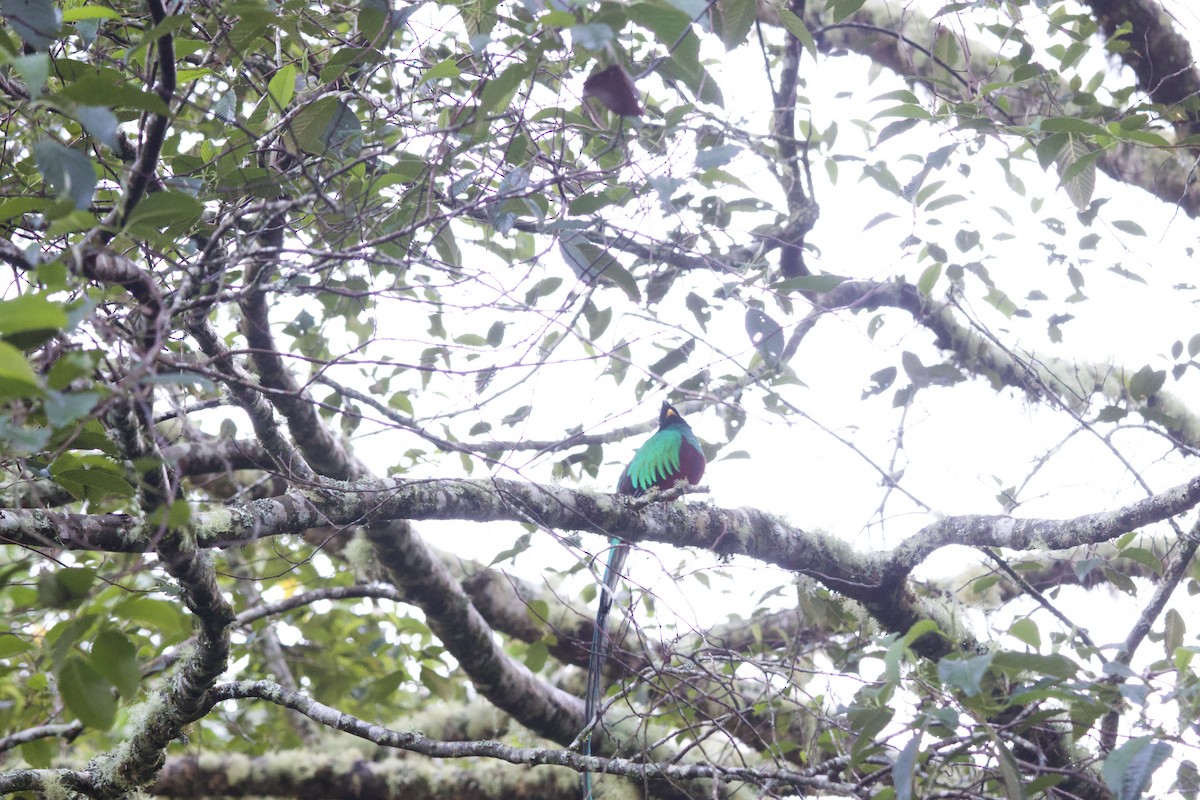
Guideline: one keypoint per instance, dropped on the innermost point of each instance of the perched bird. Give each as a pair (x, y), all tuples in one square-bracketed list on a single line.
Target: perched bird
[(671, 455)]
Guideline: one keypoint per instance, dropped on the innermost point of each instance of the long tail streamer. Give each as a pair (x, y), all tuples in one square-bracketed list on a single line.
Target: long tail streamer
[(617, 552)]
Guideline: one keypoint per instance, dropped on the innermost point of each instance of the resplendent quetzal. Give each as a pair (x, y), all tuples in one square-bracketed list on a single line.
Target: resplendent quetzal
[(671, 455)]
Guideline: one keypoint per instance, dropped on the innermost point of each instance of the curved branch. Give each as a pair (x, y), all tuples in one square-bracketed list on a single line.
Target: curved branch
[(252, 402), (184, 699), (320, 447), (1163, 173), (416, 742), (506, 682)]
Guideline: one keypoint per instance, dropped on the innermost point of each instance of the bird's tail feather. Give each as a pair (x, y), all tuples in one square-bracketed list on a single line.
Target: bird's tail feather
[(617, 552)]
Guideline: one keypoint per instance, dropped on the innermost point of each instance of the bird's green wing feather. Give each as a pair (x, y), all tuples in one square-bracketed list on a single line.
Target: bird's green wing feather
[(656, 459)]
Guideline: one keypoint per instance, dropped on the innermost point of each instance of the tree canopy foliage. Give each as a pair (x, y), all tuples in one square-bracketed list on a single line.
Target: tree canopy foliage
[(328, 327)]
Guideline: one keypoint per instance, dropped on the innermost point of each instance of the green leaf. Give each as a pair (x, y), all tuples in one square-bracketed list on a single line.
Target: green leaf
[(945, 200), (543, 288), (765, 334), (99, 122), (69, 172), (87, 694), (17, 378), (1129, 768), (1187, 780), (904, 767), (1144, 557), (89, 12), (495, 334), (596, 36), (93, 478), (672, 28), (163, 210), (593, 263), (881, 381), (598, 321), (39, 753), (1073, 125), (328, 127), (536, 655), (797, 28), (1001, 302), (878, 218), (920, 628), (499, 91), (30, 319), (111, 90), (928, 278), (964, 674), (1174, 629), (1077, 165), (383, 689), (65, 588), (735, 18), (1014, 782), (818, 284), (1146, 382), (11, 644), (517, 416), (34, 69), (893, 129), (905, 111), (161, 616), (37, 22), (447, 68), (673, 359), (437, 684), (844, 8), (1055, 666), (1129, 226), (866, 723), (282, 87), (964, 240), (115, 657), (16, 206), (1027, 631), (377, 22)]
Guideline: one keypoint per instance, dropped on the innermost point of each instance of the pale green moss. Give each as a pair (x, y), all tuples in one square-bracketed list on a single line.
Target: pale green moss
[(212, 524), (360, 555), (236, 766), (53, 789), (477, 721)]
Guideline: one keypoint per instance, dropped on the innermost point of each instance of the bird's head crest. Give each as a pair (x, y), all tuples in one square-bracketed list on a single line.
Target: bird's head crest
[(669, 416)]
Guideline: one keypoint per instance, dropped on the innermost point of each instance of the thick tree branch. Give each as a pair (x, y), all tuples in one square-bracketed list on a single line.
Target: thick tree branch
[(183, 699), (321, 449), (875, 579), (900, 39), (348, 776), (1159, 55), (503, 680)]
